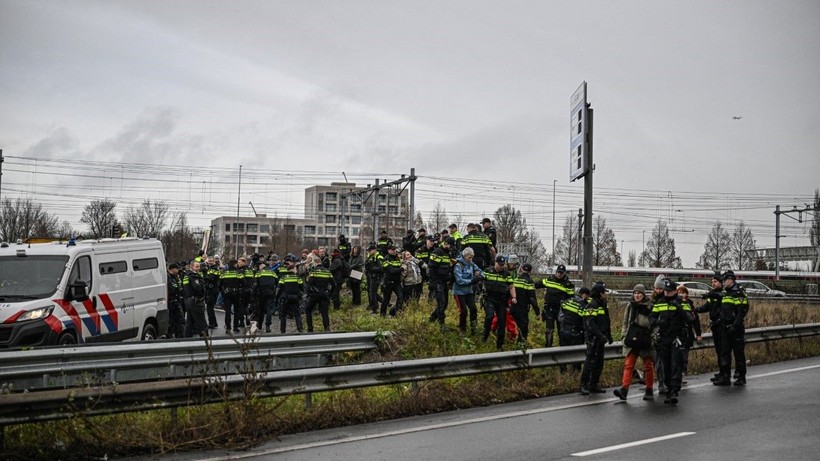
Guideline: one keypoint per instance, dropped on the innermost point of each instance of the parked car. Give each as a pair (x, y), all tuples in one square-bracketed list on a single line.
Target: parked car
[(755, 288), (696, 289)]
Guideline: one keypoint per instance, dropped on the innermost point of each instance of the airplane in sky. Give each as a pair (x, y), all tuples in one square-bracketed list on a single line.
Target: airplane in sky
[(737, 117)]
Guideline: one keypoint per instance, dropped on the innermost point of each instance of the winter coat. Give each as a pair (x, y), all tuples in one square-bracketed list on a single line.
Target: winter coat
[(640, 313), (464, 276), (410, 272)]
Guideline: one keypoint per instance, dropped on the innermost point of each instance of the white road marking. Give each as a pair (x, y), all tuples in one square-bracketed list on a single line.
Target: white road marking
[(632, 444), (463, 422)]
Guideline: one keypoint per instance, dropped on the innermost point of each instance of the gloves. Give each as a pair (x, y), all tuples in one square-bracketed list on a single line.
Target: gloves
[(537, 312), (609, 339)]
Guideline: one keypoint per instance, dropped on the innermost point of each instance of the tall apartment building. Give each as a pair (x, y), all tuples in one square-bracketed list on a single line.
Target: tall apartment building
[(326, 207)]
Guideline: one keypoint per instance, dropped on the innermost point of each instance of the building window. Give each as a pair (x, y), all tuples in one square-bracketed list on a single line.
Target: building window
[(382, 198), (330, 229), (320, 230), (264, 228), (355, 208), (264, 239), (330, 196), (227, 238), (253, 227), (381, 208), (330, 207), (239, 227), (321, 241), (394, 210), (330, 218), (310, 230), (354, 231), (252, 239), (356, 219), (227, 227)]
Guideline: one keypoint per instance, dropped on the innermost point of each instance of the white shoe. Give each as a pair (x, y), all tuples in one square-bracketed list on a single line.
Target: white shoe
[(254, 328)]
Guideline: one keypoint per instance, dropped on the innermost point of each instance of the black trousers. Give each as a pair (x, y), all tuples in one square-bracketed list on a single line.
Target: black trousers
[(495, 306), (320, 301), (232, 303), (195, 321), (176, 320), (522, 320), (671, 356), (438, 289), (373, 298), (290, 308), (466, 305), (734, 345), (355, 290), (265, 306), (593, 363), (210, 301), (568, 336), (388, 289)]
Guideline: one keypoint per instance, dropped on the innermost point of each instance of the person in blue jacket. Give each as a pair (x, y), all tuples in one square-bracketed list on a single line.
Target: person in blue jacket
[(466, 274)]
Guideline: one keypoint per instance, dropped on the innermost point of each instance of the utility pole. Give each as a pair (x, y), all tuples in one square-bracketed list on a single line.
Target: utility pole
[(588, 206), (580, 238), (236, 224), (552, 255), (412, 213), (373, 192), (777, 235)]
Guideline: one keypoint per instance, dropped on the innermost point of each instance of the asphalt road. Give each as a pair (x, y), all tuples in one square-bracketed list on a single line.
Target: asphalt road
[(775, 416)]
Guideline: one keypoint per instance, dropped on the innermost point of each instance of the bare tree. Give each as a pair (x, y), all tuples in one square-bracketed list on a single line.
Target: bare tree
[(418, 222), (566, 249), (717, 250), (284, 237), (146, 220), (178, 239), (24, 218), (742, 241), (437, 220), (516, 237), (632, 259), (99, 216), (604, 244), (660, 249)]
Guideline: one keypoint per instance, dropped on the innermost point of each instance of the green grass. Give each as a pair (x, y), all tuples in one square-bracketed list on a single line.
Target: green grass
[(241, 424)]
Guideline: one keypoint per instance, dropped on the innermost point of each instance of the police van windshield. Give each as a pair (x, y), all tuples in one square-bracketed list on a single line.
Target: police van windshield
[(30, 277)]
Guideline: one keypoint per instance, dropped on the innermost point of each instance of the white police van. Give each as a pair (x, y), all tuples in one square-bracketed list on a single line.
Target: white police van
[(82, 292)]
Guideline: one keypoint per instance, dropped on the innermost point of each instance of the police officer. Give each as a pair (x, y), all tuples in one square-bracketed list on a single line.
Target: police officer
[(176, 311), (289, 295), (211, 275), (489, 231), (391, 268), (456, 236), (421, 241), (671, 324), (319, 287), (248, 281), (266, 282), (481, 245), (597, 333), (439, 270), (571, 322), (344, 247), (558, 288), (500, 291), (383, 243), (193, 289), (408, 242), (374, 273), (525, 289), (230, 284), (712, 306), (734, 306)]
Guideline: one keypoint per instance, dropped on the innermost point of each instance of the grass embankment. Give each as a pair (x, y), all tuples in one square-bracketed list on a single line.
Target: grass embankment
[(242, 424)]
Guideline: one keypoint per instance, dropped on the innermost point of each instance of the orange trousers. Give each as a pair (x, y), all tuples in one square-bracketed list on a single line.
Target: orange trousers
[(629, 368)]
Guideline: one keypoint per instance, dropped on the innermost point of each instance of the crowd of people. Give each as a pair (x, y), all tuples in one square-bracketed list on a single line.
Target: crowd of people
[(659, 329)]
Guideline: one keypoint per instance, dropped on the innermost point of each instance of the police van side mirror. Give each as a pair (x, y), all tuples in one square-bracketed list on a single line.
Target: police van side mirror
[(77, 291)]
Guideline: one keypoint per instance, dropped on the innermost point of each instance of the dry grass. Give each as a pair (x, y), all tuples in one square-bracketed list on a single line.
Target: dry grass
[(241, 424)]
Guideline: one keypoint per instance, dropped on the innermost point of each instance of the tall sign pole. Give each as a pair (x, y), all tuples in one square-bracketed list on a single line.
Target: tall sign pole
[(581, 166)]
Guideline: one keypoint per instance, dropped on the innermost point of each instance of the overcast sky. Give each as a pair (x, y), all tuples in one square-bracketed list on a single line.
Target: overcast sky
[(454, 89)]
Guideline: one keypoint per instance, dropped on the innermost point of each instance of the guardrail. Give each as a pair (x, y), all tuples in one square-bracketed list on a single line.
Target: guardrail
[(64, 403), (49, 368)]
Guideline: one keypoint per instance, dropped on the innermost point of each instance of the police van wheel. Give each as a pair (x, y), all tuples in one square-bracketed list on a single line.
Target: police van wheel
[(149, 332), (67, 339)]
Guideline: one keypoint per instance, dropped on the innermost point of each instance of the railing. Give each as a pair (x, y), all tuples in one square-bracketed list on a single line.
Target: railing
[(64, 403), (49, 368)]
